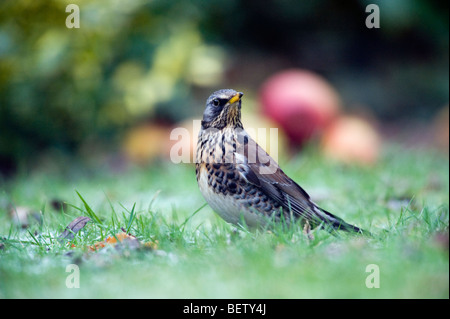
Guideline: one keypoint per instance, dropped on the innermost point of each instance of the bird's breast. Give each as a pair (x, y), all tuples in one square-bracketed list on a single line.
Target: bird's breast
[(218, 197), (222, 184)]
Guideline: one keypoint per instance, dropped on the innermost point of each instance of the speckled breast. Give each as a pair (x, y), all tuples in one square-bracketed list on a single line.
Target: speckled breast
[(222, 183)]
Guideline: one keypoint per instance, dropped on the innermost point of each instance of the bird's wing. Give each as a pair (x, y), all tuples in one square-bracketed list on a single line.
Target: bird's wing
[(261, 170)]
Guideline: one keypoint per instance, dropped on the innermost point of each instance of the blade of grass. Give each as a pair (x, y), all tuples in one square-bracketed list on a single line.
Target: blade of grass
[(34, 238), (114, 218), (192, 215), (89, 210), (132, 217)]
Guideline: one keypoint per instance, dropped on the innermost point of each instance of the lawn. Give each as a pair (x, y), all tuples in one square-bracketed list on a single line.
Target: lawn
[(184, 250)]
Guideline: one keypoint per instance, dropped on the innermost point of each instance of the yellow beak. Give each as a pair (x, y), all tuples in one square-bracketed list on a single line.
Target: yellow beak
[(235, 98)]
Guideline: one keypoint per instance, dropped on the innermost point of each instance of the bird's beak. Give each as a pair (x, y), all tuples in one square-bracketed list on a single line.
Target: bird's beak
[(235, 98)]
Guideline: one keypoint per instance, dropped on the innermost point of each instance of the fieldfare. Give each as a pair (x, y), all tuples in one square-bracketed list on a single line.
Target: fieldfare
[(241, 182)]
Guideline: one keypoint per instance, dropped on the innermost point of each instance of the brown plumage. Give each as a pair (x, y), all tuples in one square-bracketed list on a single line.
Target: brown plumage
[(240, 181)]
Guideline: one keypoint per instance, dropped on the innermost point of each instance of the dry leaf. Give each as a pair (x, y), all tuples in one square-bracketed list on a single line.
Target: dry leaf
[(125, 239), (74, 227), (112, 240)]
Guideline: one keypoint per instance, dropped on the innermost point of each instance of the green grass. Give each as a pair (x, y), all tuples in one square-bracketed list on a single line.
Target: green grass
[(403, 200)]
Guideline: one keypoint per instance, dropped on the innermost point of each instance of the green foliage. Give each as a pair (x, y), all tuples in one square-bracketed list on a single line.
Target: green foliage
[(61, 86)]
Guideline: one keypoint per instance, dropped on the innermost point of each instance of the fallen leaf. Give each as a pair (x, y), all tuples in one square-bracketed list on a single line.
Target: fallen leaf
[(74, 227), (124, 239), (119, 237), (112, 240)]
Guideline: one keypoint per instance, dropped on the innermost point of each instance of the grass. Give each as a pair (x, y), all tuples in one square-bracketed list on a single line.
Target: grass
[(403, 200)]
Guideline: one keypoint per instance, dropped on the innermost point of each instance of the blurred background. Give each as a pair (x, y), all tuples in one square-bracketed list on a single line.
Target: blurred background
[(112, 90)]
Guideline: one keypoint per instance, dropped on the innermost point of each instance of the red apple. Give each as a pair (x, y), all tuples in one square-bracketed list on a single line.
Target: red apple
[(351, 139), (301, 102)]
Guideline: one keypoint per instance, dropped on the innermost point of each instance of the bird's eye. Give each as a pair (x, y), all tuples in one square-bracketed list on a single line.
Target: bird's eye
[(216, 102)]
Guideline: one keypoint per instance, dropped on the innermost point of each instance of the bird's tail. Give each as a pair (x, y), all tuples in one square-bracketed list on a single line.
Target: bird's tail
[(336, 223)]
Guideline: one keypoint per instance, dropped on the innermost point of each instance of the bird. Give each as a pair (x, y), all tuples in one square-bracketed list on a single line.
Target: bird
[(242, 183)]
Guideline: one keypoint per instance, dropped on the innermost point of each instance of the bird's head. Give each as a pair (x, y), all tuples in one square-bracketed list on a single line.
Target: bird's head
[(223, 109)]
